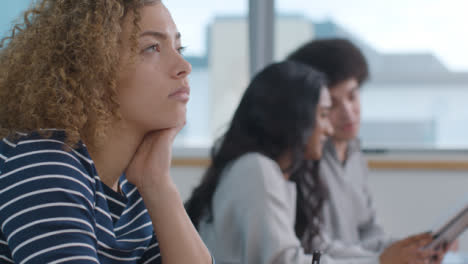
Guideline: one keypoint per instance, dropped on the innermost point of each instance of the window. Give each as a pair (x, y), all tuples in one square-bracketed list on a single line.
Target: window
[(10, 11), (416, 97), (216, 36)]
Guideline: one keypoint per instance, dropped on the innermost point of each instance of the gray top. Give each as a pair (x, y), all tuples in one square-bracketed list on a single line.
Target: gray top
[(350, 226), (254, 215)]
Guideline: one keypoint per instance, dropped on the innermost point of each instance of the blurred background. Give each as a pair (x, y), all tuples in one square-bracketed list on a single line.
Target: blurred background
[(414, 108)]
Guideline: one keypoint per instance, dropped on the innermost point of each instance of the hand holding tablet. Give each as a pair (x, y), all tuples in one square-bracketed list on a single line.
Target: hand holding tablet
[(451, 228)]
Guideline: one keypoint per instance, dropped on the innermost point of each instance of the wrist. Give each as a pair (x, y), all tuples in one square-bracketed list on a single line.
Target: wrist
[(162, 202), (155, 182), (158, 192)]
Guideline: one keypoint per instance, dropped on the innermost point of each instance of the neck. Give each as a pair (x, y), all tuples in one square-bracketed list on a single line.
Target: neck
[(341, 148), (114, 153)]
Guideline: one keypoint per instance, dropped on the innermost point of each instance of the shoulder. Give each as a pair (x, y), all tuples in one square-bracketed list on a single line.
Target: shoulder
[(254, 167), (252, 174), (33, 155), (42, 174), (254, 160), (31, 148)]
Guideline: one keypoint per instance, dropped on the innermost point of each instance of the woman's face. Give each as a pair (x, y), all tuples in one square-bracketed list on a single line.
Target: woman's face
[(152, 86), (322, 129)]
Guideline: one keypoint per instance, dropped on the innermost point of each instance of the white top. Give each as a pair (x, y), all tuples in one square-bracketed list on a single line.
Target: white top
[(254, 209)]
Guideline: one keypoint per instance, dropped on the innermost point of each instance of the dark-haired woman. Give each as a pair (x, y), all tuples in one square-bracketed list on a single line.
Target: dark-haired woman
[(245, 207)]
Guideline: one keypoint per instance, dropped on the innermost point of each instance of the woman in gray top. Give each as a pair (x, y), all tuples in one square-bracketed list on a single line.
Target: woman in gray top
[(245, 206), (248, 207)]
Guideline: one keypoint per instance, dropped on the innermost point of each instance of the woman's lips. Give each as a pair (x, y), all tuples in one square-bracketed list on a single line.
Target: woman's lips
[(182, 94)]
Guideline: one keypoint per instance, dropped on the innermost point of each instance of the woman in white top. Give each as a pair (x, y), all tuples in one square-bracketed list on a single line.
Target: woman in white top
[(245, 206), (249, 208)]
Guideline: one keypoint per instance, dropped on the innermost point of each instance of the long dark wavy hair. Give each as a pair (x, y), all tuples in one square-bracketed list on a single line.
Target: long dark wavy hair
[(276, 116)]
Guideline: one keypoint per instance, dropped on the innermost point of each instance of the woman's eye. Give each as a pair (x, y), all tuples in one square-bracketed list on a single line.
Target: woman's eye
[(181, 50), (153, 48)]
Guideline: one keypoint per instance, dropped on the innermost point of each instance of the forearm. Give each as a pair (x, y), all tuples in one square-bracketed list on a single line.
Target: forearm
[(178, 239)]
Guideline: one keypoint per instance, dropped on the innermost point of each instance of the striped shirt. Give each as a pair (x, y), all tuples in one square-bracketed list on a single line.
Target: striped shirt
[(55, 209)]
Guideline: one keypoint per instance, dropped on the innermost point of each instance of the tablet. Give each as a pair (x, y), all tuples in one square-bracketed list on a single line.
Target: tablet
[(451, 229)]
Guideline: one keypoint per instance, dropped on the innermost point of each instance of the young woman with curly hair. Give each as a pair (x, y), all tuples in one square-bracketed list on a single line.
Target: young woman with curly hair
[(92, 94)]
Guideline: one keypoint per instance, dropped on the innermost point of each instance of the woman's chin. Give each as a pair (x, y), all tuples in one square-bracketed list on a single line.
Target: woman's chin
[(176, 122)]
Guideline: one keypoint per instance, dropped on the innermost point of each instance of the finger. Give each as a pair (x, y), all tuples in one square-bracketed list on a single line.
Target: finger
[(454, 246), (416, 252), (422, 242), (425, 254), (440, 254), (420, 238), (418, 261), (435, 258), (421, 257)]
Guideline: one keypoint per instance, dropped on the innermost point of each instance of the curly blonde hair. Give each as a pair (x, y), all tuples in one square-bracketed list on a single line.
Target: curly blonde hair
[(58, 68)]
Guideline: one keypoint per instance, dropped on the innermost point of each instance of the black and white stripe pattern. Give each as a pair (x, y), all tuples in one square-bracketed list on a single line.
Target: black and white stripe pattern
[(55, 209)]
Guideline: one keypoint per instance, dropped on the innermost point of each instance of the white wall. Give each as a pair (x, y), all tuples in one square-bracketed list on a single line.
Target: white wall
[(407, 202)]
